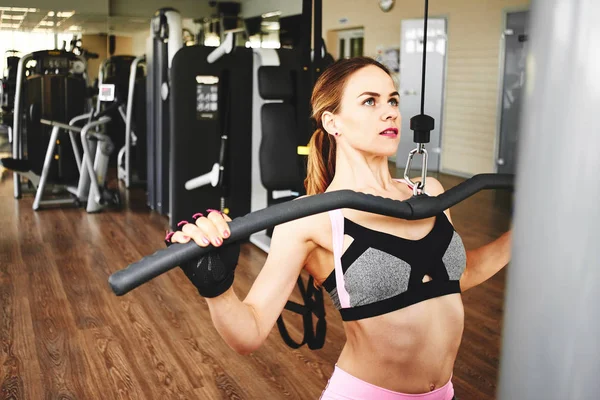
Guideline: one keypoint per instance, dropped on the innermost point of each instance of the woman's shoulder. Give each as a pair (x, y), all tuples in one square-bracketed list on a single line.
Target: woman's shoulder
[(308, 225)]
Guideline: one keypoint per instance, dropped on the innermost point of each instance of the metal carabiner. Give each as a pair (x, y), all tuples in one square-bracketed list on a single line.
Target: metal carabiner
[(418, 186)]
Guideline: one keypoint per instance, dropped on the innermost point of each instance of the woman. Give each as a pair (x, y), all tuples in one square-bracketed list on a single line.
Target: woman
[(397, 283)]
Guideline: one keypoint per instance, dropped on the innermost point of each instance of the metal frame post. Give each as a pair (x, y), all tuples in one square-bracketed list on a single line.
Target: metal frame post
[(551, 330)]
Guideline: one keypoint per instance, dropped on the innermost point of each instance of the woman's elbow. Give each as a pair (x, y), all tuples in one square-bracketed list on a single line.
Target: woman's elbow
[(246, 347)]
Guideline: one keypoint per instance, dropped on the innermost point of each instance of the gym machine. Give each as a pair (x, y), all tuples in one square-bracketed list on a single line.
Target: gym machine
[(165, 40), (132, 156), (211, 109), (50, 85)]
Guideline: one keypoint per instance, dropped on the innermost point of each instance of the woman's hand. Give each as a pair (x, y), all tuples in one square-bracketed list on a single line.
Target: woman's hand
[(212, 229), (212, 273)]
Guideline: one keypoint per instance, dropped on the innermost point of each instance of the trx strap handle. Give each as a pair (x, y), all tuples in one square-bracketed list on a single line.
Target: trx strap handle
[(313, 304), (419, 207)]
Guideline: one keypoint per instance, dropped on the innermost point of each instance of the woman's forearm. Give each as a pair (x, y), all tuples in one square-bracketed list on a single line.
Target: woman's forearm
[(485, 261), (235, 321)]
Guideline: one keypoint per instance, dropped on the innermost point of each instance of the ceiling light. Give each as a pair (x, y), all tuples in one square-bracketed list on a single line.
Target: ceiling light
[(18, 9), (13, 16), (65, 14), (51, 13), (271, 14)]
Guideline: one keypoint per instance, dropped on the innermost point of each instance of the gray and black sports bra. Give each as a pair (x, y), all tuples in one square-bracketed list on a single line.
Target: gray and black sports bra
[(380, 272)]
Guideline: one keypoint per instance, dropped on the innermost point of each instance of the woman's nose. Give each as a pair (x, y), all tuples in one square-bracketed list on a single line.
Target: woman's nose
[(391, 113)]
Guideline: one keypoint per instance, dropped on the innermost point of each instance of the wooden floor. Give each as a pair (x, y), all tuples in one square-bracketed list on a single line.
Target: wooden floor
[(64, 335)]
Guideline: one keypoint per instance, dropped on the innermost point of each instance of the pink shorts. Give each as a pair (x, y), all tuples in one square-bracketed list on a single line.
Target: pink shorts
[(343, 386)]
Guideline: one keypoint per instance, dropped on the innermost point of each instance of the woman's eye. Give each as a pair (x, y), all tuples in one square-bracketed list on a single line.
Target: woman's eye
[(394, 102), (369, 102)]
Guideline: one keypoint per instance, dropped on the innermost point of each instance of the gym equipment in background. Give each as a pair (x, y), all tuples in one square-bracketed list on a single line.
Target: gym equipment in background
[(165, 40), (51, 85), (211, 113), (132, 159)]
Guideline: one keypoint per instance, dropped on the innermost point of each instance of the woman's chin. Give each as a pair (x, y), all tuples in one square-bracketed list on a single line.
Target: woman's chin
[(388, 152)]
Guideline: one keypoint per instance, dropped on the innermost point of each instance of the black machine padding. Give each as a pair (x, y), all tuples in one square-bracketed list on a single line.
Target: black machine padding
[(58, 98), (278, 159), (275, 83)]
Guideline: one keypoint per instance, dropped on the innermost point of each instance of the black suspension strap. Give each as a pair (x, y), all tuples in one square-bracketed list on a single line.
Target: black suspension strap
[(313, 337)]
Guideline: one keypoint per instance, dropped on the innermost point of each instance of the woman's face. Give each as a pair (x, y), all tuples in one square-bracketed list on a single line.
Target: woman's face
[(369, 119)]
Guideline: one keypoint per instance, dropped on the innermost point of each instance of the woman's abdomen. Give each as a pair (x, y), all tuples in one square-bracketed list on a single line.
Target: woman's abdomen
[(411, 350)]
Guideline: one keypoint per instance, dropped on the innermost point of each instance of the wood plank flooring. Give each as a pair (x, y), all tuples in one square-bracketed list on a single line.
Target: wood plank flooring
[(64, 335)]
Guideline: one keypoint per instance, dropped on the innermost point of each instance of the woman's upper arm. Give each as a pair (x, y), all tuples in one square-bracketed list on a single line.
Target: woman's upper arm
[(291, 244)]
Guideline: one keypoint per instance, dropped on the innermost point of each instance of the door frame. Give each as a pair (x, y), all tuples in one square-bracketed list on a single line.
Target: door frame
[(500, 83), (347, 34)]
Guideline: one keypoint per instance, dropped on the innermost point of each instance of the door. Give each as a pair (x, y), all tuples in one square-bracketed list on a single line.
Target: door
[(513, 83), (350, 43), (411, 62)]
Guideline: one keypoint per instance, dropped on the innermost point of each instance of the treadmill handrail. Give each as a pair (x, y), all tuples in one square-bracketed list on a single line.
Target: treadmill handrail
[(62, 125), (418, 207), (87, 158)]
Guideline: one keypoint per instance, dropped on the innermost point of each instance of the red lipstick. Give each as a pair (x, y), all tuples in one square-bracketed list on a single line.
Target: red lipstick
[(389, 132)]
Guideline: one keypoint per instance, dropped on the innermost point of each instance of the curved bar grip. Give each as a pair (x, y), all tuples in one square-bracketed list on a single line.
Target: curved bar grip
[(418, 207)]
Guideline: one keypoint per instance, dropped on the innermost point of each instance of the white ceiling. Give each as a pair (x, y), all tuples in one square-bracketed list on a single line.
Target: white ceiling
[(123, 16), (115, 16)]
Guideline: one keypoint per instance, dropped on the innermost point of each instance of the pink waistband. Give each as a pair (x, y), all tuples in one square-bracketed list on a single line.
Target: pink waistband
[(343, 386)]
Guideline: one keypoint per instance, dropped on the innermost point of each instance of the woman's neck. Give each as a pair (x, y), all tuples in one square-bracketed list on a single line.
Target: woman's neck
[(360, 172)]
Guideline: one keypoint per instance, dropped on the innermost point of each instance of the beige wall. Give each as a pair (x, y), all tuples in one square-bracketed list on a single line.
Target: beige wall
[(139, 43), (123, 46), (99, 44), (95, 44), (472, 81)]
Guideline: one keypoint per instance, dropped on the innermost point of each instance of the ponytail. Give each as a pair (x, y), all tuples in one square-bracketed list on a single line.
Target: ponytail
[(321, 162)]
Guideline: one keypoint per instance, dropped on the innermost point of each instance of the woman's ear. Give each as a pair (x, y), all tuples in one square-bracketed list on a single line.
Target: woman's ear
[(329, 123)]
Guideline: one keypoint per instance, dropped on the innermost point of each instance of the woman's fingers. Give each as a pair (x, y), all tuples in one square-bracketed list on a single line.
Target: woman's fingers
[(179, 237), (212, 229), (220, 222), (205, 231)]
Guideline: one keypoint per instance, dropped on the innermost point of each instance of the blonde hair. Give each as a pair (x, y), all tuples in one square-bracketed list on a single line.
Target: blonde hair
[(327, 96)]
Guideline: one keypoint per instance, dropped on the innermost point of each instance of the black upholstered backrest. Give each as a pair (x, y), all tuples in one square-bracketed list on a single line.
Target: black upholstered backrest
[(279, 169)]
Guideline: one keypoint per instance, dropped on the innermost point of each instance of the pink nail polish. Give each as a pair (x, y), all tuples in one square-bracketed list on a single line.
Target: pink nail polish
[(197, 215), (205, 241), (182, 223), (226, 234)]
